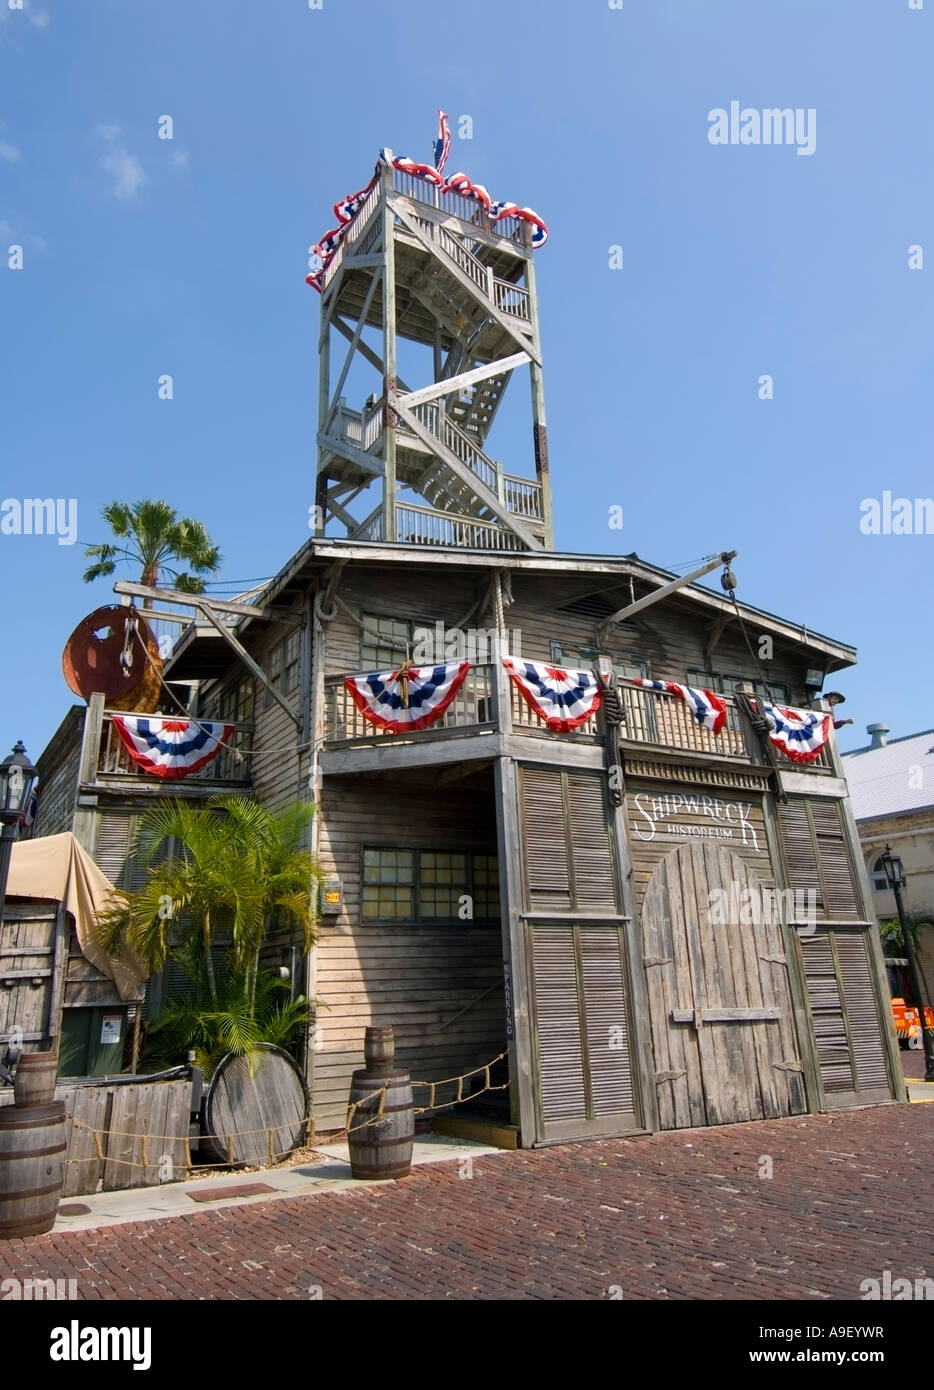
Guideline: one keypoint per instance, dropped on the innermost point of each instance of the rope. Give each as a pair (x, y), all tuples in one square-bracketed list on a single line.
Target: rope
[(226, 1140)]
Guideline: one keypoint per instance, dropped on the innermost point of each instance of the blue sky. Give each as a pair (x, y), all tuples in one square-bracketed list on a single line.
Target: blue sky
[(143, 257)]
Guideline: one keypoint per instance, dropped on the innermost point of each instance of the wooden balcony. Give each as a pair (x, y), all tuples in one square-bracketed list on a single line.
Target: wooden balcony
[(655, 722), (230, 770)]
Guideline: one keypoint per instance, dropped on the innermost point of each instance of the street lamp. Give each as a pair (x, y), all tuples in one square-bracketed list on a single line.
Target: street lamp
[(895, 878), (17, 778)]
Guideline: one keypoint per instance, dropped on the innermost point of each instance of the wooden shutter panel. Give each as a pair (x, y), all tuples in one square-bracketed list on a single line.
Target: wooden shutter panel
[(817, 857), (547, 864), (568, 853), (826, 1005), (591, 850), (841, 898), (860, 999), (557, 1010), (844, 1005), (582, 1029), (605, 1008), (115, 831)]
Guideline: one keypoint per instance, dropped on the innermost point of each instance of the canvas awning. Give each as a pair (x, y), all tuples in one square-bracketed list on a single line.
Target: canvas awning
[(56, 868)]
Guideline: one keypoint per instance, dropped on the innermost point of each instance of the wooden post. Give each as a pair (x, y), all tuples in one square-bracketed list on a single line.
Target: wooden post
[(389, 360), (539, 422), (324, 396), (515, 964)]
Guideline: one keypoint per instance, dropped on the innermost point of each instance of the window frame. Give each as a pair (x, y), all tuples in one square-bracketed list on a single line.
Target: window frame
[(415, 920), (714, 681)]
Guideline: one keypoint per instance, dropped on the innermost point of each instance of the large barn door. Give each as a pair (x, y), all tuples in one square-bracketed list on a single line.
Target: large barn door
[(577, 960), (722, 1026), (843, 1001)]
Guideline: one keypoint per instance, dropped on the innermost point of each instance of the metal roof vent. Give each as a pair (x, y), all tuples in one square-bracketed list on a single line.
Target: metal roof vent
[(879, 733)]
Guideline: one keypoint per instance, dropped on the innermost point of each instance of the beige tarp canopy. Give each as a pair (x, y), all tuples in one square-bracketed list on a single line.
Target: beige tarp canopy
[(56, 867)]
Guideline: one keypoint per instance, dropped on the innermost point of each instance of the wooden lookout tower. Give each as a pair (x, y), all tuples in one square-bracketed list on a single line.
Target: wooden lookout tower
[(445, 277)]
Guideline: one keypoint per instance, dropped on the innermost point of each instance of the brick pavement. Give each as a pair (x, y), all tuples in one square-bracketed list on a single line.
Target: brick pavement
[(680, 1215)]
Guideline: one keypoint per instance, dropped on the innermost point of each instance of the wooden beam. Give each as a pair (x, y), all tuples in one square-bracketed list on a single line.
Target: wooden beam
[(341, 449), (455, 383), (198, 601), (675, 584), (366, 351), (375, 280), (250, 664)]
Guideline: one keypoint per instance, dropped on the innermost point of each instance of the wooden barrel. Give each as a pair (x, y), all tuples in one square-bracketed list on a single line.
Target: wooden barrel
[(256, 1109), (34, 1081), (32, 1168), (382, 1148), (379, 1049)]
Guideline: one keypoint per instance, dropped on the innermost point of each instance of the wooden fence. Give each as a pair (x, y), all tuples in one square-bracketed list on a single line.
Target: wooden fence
[(116, 1134)]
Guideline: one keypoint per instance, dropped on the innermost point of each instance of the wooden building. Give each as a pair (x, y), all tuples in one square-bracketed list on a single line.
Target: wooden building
[(660, 926)]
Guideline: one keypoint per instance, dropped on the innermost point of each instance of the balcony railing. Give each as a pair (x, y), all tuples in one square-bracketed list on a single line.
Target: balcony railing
[(474, 706), (654, 720), (508, 228), (230, 766)]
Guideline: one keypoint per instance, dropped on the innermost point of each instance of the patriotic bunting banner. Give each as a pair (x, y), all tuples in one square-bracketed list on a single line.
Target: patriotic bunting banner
[(410, 698), (170, 748), (798, 733), (459, 183), (443, 142), (708, 708), (564, 699)]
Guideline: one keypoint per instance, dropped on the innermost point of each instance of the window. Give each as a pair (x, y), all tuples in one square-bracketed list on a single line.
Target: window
[(290, 660), (562, 654), (880, 883), (424, 886), (722, 684), (274, 674), (385, 642), (236, 702)]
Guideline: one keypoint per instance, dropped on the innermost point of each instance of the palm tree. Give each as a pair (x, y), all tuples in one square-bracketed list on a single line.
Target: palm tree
[(235, 867), (154, 536)]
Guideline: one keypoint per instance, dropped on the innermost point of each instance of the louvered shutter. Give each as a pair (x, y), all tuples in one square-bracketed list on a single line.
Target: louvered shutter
[(568, 852), (585, 1082), (115, 832), (817, 857), (594, 888), (844, 1003), (547, 866)]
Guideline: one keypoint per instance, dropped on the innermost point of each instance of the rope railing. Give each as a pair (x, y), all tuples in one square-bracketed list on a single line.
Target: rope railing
[(226, 1140)]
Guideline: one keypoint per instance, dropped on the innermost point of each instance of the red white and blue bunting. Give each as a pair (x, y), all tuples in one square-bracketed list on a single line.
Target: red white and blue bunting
[(411, 698), (170, 748), (707, 708), (564, 699), (459, 183), (798, 733)]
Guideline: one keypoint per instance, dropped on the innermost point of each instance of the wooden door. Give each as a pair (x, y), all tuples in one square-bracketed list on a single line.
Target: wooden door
[(844, 1003), (32, 964), (722, 1026), (584, 1084)]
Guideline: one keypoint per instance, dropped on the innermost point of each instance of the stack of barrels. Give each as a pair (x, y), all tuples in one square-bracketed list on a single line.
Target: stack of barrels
[(32, 1149), (381, 1114)]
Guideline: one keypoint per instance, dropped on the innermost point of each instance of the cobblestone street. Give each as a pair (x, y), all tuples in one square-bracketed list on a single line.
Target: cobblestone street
[(682, 1215)]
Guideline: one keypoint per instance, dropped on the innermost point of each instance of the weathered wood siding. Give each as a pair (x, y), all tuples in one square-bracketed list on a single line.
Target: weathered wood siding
[(58, 777), (669, 638), (412, 977)]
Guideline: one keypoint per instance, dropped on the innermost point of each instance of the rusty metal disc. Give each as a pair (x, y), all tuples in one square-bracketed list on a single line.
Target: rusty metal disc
[(93, 659)]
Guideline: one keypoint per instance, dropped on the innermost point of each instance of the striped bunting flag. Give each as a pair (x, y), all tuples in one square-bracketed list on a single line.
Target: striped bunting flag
[(707, 708), (564, 699), (410, 698), (170, 748)]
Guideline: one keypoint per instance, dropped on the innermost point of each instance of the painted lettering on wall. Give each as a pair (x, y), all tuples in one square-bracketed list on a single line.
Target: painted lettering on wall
[(715, 819)]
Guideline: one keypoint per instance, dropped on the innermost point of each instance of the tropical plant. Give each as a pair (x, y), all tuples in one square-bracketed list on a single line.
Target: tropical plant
[(220, 875), (239, 1021), (893, 938), (154, 536)]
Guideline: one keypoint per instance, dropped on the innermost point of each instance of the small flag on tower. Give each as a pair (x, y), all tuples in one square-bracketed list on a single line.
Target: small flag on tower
[(443, 142)]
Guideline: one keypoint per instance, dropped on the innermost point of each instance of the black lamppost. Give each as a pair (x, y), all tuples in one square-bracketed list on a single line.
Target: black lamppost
[(17, 779), (895, 878)]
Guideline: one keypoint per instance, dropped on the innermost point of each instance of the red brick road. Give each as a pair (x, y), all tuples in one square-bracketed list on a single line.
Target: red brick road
[(680, 1215)]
